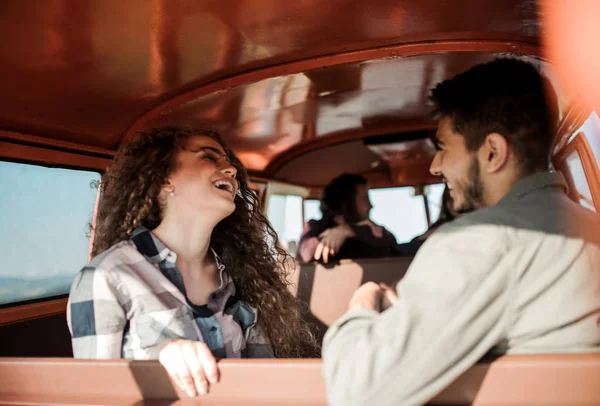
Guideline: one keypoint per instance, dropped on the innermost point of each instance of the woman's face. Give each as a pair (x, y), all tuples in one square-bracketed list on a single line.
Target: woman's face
[(203, 179), (363, 203)]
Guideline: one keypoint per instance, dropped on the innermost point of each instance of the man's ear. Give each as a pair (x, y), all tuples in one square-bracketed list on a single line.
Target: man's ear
[(494, 152)]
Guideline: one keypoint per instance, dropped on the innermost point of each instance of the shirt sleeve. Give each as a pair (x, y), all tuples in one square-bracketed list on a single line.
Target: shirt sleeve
[(95, 317), (258, 345), (451, 311)]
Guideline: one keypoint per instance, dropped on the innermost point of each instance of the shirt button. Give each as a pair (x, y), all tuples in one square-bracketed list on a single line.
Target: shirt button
[(213, 329)]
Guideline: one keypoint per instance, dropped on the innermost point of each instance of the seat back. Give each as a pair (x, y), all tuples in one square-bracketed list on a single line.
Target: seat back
[(559, 379), (326, 290)]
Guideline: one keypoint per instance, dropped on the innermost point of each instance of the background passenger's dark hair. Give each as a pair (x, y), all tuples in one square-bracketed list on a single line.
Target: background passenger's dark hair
[(339, 197), (506, 96)]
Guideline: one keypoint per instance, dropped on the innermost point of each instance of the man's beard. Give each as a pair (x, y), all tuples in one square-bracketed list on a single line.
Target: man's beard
[(472, 189)]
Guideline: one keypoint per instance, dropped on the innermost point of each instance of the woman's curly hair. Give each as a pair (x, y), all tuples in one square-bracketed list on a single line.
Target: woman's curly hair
[(245, 241)]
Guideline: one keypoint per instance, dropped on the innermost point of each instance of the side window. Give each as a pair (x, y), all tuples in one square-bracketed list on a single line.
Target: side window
[(400, 211), (580, 168), (43, 229), (285, 214), (591, 131)]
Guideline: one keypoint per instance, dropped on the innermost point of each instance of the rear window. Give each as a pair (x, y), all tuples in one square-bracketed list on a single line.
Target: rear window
[(397, 209), (43, 229), (285, 215), (400, 211), (312, 210)]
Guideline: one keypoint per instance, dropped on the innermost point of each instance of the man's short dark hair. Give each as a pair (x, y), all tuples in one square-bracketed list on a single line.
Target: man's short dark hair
[(507, 96)]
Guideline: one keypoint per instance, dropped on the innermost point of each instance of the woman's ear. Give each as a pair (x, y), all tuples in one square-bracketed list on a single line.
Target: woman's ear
[(168, 189), (494, 152)]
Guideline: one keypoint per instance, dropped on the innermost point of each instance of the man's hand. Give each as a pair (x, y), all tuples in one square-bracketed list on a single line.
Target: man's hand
[(388, 296), (331, 240), (373, 296), (191, 365)]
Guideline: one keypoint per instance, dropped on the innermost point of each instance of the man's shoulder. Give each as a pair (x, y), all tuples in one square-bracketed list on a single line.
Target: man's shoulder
[(486, 220)]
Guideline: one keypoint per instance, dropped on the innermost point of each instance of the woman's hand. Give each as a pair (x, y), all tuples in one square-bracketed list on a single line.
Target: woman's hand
[(331, 240), (191, 365)]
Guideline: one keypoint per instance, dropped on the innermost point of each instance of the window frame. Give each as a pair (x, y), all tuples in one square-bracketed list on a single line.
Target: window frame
[(51, 158), (580, 145)]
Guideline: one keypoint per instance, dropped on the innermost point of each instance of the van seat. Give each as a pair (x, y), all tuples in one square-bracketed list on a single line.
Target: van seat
[(328, 289)]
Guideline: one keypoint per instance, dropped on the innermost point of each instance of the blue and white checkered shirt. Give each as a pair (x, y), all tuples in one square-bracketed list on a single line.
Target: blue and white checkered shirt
[(130, 300)]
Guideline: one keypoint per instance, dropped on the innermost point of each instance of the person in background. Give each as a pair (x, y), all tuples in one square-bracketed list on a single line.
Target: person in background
[(345, 230), (182, 271)]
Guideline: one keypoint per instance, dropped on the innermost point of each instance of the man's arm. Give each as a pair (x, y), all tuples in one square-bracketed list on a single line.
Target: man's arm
[(451, 310)]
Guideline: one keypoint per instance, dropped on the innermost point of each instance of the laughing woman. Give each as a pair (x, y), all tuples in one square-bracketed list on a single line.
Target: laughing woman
[(182, 269)]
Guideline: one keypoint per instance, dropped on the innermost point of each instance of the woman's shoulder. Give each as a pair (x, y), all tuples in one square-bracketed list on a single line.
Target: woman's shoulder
[(118, 253), (101, 268), (120, 256)]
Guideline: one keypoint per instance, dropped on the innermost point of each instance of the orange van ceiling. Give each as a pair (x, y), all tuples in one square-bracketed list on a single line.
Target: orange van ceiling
[(269, 75)]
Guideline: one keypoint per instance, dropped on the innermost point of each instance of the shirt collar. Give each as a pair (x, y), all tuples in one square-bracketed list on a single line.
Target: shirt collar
[(152, 248), (535, 182)]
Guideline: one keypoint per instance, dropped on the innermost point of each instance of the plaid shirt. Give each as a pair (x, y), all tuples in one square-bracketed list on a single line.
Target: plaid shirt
[(130, 300)]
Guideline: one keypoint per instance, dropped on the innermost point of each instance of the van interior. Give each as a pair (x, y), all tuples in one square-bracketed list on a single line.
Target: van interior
[(301, 92)]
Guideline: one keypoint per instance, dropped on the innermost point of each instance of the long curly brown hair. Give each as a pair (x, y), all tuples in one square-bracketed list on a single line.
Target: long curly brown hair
[(245, 241)]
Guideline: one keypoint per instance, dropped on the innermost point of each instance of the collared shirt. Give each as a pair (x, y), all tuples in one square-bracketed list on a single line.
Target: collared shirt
[(522, 276), (131, 300)]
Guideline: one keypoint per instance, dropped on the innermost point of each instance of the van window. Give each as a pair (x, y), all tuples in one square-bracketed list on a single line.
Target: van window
[(312, 210), (390, 203), (434, 200), (400, 211), (591, 130), (43, 229), (285, 214), (578, 182), (578, 161)]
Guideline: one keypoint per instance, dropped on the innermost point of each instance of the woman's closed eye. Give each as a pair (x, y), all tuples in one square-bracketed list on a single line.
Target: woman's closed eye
[(211, 156)]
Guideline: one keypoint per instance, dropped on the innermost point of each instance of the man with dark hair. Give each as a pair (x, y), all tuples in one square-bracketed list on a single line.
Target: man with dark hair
[(519, 273)]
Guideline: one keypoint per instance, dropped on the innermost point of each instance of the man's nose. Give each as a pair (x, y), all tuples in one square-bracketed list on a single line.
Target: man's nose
[(436, 165)]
